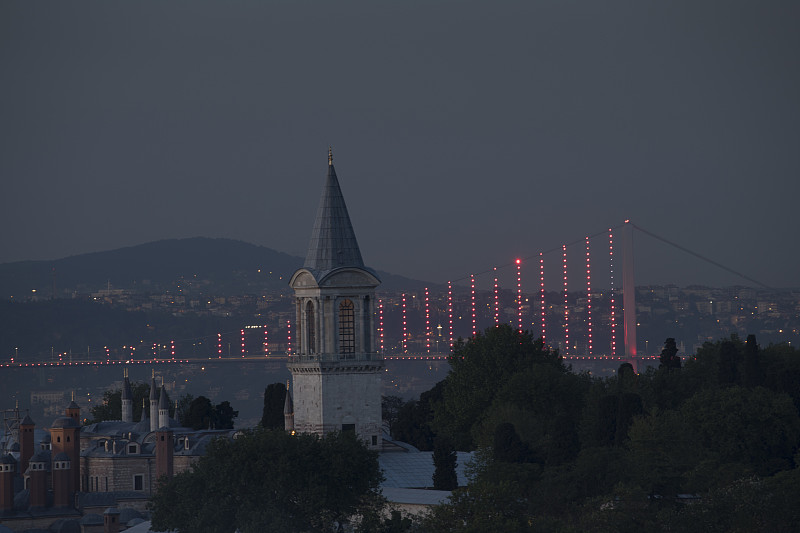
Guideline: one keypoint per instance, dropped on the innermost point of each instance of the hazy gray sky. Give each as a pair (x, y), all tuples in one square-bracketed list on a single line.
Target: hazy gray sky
[(464, 133)]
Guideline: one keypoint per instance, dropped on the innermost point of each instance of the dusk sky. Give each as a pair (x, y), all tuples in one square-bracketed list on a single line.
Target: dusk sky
[(464, 133)]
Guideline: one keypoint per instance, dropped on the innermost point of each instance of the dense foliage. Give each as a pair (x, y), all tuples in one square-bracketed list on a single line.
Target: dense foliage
[(202, 414), (267, 480), (673, 449), (274, 400)]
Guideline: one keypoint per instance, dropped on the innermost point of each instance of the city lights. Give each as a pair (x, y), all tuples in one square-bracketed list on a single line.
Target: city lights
[(566, 301)]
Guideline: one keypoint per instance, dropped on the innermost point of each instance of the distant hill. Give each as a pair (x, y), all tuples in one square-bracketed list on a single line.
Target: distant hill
[(221, 266)]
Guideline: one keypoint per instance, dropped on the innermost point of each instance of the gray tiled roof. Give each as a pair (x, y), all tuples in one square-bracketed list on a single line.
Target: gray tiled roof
[(414, 470), (333, 242), (415, 496)]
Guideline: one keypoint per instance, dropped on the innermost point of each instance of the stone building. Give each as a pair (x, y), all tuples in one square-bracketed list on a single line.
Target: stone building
[(336, 370), (78, 472)]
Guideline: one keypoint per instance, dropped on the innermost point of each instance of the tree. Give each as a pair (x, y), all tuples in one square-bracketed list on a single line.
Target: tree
[(274, 400), (728, 372), (224, 415), (669, 359), (268, 480), (200, 414), (752, 366), (444, 460), (182, 410), (479, 368), (390, 410), (415, 418)]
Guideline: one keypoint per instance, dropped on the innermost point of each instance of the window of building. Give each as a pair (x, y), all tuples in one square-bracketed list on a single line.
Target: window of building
[(348, 427), (310, 333), (347, 329), (138, 482), (131, 448), (374, 440)]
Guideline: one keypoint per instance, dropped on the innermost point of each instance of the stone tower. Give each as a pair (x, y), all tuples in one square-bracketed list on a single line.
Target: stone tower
[(127, 399), (336, 370), (153, 403)]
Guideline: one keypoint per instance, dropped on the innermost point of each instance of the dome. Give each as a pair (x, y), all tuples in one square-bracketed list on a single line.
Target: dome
[(7, 460), (65, 422), (61, 457), (42, 456), (127, 514), (92, 519)]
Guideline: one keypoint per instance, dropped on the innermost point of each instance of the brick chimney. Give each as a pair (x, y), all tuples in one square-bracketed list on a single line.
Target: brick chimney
[(111, 520), (37, 484), (165, 452), (62, 470), (65, 436), (8, 469), (26, 428)]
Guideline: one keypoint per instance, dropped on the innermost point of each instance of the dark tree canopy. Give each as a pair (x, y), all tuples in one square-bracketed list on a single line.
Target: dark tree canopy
[(564, 452), (669, 355), (200, 414), (267, 480), (479, 368), (274, 399), (390, 410), (444, 461)]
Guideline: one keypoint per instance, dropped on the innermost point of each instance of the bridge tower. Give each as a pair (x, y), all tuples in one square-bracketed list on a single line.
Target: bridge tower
[(628, 294), (336, 370)]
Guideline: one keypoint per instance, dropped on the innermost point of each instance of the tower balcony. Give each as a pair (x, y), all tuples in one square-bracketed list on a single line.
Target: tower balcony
[(336, 358)]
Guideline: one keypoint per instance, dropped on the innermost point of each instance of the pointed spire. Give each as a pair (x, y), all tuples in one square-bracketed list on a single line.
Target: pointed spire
[(333, 241), (153, 388), (163, 403)]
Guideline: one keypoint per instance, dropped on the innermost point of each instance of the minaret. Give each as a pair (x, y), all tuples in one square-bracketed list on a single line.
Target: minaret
[(163, 408), (336, 370), (127, 399), (288, 411), (153, 403)]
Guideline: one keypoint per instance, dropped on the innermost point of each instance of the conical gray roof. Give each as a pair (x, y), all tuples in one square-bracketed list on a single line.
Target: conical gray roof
[(288, 404), (127, 392), (153, 389), (333, 241), (163, 403)]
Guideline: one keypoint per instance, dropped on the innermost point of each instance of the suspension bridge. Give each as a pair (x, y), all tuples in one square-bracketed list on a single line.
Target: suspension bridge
[(590, 317)]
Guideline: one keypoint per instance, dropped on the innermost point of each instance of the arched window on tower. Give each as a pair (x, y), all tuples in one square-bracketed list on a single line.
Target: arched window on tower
[(347, 330), (311, 341)]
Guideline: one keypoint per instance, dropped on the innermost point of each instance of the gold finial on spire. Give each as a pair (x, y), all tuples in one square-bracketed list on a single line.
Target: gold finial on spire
[(287, 384), (73, 396), (154, 373), (330, 156)]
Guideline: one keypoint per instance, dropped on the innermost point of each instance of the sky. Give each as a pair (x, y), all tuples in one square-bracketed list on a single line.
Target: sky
[(464, 133)]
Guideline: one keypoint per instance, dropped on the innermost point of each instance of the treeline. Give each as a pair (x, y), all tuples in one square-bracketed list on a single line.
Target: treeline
[(190, 412), (710, 445)]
